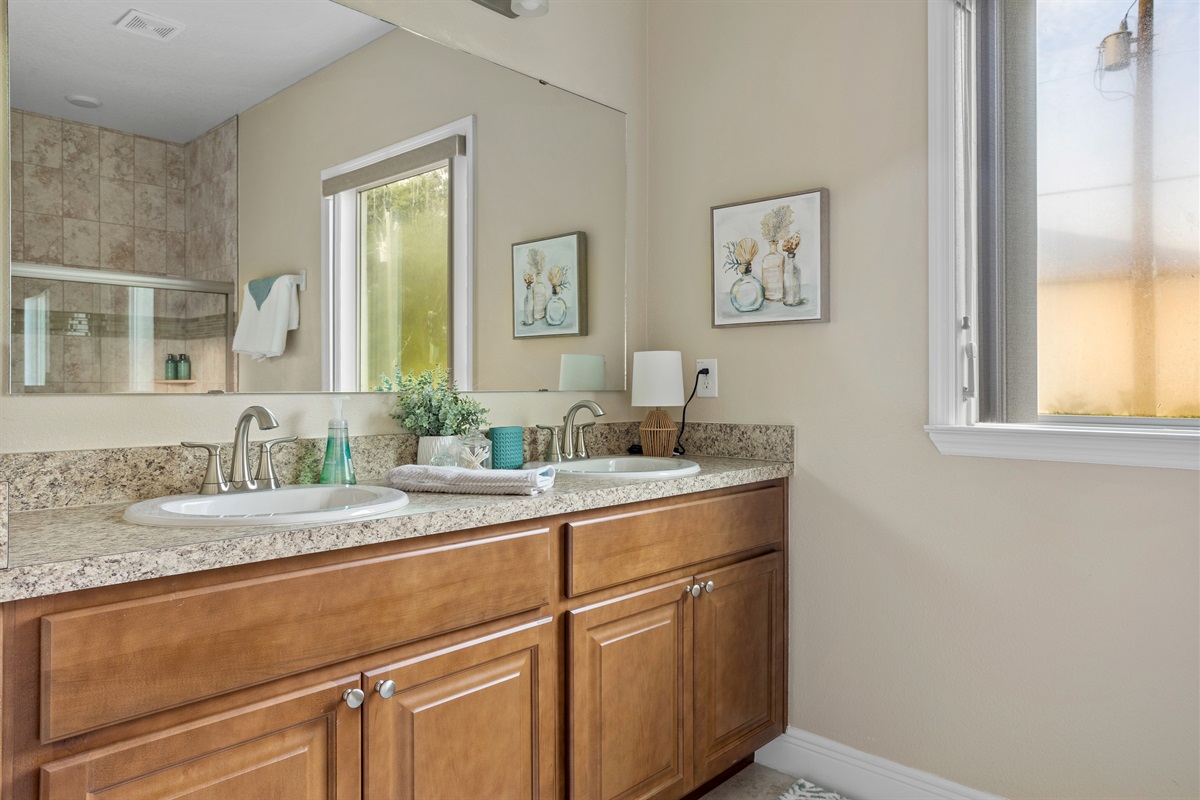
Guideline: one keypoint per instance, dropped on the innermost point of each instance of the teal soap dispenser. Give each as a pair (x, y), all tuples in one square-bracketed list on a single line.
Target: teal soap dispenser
[(338, 467)]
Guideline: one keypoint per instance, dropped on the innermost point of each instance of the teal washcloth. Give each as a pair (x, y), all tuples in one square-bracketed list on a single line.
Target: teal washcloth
[(259, 289)]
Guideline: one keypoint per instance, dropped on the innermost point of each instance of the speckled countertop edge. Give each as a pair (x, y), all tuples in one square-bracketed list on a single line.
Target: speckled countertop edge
[(63, 550)]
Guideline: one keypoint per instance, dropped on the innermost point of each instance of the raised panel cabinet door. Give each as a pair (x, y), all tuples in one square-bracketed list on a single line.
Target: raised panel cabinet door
[(740, 662), (471, 720), (630, 678), (303, 745)]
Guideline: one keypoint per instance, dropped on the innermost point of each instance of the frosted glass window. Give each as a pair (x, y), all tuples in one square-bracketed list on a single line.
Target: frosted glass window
[(1082, 145), (1118, 204), (404, 276)]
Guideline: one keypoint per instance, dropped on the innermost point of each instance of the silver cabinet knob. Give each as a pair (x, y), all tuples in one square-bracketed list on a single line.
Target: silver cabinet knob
[(695, 590), (386, 689), (708, 587), (354, 697)]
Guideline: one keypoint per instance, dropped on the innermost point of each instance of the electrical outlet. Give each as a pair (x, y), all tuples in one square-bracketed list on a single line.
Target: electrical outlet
[(708, 383)]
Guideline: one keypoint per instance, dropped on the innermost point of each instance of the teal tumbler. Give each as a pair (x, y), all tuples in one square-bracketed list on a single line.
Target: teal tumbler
[(508, 447)]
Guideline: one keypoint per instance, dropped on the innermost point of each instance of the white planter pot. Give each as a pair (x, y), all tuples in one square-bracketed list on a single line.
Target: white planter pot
[(430, 446)]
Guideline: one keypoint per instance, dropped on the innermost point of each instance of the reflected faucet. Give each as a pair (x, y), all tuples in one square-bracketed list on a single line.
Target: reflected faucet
[(568, 445), (240, 480)]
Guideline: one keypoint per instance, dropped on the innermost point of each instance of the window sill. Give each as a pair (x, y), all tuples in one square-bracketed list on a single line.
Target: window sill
[(1170, 448)]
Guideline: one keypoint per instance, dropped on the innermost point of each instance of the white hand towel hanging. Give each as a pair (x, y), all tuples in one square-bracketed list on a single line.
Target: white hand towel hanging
[(270, 308)]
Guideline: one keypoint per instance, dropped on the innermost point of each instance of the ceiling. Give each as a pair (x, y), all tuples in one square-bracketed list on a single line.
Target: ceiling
[(231, 55)]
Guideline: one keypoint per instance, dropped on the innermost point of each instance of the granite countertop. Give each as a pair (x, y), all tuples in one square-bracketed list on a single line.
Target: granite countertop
[(66, 549)]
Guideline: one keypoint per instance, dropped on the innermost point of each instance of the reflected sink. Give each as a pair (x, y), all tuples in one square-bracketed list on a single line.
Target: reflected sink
[(286, 505), (626, 467)]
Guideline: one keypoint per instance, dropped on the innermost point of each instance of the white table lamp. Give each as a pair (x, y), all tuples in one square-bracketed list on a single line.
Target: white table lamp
[(658, 382)]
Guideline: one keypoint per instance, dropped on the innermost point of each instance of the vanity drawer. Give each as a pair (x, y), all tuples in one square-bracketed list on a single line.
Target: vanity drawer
[(113, 662), (610, 550)]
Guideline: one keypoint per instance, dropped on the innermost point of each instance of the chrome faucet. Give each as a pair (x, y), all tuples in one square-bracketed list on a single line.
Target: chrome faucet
[(569, 448), (240, 480)]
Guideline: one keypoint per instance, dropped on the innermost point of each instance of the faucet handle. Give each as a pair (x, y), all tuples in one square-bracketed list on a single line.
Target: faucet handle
[(214, 476), (266, 477), (581, 440), (555, 453)]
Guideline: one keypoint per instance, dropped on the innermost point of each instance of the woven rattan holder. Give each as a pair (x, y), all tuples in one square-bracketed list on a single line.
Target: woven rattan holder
[(658, 432)]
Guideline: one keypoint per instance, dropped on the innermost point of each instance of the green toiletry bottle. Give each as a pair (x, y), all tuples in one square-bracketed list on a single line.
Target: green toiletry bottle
[(171, 370), (338, 467), (183, 368)]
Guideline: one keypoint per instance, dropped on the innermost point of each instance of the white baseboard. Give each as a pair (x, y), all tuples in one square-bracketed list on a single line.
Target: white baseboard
[(857, 775)]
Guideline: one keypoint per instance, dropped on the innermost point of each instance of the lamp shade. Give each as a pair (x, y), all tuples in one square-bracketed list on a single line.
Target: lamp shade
[(658, 378), (580, 372)]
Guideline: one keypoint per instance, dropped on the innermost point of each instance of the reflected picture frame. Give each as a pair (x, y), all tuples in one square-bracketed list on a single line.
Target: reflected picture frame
[(549, 281)]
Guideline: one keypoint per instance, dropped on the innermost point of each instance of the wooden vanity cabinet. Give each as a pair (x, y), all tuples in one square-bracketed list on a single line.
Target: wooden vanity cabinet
[(674, 682), (232, 683), (478, 656)]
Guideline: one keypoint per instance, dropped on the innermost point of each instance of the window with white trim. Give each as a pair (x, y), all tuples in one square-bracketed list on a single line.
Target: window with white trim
[(397, 226), (1065, 230)]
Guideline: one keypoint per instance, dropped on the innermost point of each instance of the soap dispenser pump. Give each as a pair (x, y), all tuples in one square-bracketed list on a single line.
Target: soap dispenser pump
[(338, 467)]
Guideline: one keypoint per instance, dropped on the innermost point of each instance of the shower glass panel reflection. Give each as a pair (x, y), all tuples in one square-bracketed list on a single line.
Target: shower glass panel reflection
[(77, 331)]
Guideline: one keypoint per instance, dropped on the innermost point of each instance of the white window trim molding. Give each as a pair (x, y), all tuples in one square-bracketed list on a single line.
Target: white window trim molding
[(949, 426)]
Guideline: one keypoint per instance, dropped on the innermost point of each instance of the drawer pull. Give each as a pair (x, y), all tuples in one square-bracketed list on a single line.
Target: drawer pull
[(694, 591), (354, 697), (386, 689), (708, 587)]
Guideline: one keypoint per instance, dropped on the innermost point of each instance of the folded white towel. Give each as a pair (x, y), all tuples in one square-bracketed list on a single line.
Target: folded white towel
[(262, 327), (458, 480)]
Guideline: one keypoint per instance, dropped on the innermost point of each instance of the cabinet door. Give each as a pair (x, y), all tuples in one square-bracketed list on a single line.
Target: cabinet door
[(472, 720), (304, 745), (740, 662), (630, 679)]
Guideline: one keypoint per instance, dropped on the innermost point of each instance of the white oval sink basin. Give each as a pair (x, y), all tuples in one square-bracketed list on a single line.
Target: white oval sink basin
[(626, 467), (288, 504)]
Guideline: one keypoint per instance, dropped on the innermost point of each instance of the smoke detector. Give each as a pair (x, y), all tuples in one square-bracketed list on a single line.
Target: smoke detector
[(149, 25), (83, 101)]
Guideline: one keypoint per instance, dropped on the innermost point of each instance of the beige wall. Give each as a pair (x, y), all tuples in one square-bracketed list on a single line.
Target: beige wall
[(1025, 628), (607, 64), (544, 164)]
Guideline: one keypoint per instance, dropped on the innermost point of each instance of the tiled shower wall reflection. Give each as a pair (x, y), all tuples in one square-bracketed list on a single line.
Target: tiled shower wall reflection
[(94, 198), (97, 338)]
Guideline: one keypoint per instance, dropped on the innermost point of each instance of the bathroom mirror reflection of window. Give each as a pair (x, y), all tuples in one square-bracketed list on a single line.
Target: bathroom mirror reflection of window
[(155, 176)]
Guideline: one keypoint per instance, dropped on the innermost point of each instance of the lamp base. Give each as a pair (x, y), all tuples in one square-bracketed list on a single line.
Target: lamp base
[(658, 433)]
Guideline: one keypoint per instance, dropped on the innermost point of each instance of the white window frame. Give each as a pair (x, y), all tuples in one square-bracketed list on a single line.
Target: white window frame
[(951, 424), (339, 245)]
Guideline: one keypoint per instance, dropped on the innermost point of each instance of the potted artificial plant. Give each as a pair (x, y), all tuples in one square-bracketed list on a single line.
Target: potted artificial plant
[(429, 406)]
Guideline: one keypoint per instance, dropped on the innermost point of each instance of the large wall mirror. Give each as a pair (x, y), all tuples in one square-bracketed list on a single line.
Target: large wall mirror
[(171, 157)]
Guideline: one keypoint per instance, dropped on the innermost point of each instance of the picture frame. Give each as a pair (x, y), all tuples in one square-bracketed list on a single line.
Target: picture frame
[(770, 260), (549, 280)]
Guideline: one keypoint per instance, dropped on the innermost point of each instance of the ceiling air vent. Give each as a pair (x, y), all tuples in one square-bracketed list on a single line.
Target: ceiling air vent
[(150, 25)]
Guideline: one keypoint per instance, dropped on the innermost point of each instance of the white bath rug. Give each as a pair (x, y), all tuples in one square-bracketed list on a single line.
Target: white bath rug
[(803, 790)]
